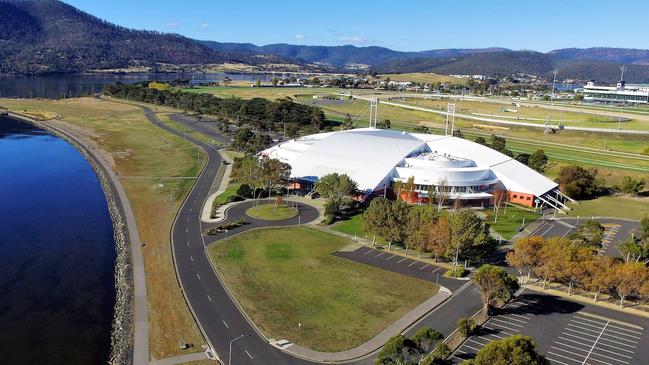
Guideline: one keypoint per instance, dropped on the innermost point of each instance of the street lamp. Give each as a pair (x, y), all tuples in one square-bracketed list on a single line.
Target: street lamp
[(231, 341)]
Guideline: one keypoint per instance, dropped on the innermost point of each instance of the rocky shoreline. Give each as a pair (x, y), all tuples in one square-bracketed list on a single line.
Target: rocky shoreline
[(121, 349)]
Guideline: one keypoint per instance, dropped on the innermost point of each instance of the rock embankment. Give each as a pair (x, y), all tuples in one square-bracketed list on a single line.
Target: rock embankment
[(121, 351)]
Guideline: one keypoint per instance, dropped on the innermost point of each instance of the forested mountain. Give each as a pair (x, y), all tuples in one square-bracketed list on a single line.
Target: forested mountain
[(341, 55), (43, 36), (616, 55)]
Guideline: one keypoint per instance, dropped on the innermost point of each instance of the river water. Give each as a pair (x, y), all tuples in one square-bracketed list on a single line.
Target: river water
[(57, 252), (56, 86)]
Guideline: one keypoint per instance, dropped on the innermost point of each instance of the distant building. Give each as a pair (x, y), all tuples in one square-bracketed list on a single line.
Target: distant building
[(620, 93)]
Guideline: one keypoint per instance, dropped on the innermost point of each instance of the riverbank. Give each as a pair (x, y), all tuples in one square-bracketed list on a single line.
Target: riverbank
[(128, 263)]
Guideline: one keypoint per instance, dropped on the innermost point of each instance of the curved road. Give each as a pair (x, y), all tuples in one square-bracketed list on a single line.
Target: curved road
[(217, 315)]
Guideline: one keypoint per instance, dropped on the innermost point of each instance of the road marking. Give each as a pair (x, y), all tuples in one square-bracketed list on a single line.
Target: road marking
[(603, 339), (636, 339), (414, 262), (208, 297), (198, 276), (436, 270), (423, 267), (600, 344), (586, 314), (505, 322), (187, 243), (191, 258), (187, 219), (186, 230), (247, 353), (390, 257), (225, 324), (398, 262), (546, 231), (368, 251), (513, 319), (557, 361), (565, 357), (382, 253)]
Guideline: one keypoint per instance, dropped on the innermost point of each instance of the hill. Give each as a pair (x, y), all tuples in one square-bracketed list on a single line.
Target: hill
[(45, 36), (340, 55), (615, 55)]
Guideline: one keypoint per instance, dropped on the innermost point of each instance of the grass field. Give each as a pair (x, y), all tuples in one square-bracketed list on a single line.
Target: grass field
[(272, 93), (134, 147), (272, 212), (422, 77), (510, 223), (620, 206), (165, 118), (286, 276)]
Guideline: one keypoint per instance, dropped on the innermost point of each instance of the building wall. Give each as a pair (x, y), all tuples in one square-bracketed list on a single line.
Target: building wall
[(521, 198)]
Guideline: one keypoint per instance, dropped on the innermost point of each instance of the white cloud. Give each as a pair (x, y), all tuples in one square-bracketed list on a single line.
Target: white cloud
[(204, 25), (298, 36), (171, 25), (351, 39)]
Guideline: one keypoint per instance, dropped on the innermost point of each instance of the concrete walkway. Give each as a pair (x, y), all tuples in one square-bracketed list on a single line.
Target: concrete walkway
[(223, 185), (377, 341)]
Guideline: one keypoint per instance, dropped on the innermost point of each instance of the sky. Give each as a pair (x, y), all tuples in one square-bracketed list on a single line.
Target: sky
[(405, 25)]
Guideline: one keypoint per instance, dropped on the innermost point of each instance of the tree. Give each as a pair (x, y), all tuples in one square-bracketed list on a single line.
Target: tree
[(599, 275), (348, 123), (426, 338), (395, 225), (241, 139), (497, 143), (480, 140), (469, 236), (439, 237), (399, 350), (526, 254), (275, 81), (374, 218), (458, 133), (496, 286), (258, 83), (512, 350), (384, 124), (628, 278), (632, 186), (644, 228), (247, 171), (337, 189), (538, 161), (588, 234), (273, 172), (499, 199), (577, 182), (552, 256), (443, 191), (466, 326), (419, 222), (523, 158)]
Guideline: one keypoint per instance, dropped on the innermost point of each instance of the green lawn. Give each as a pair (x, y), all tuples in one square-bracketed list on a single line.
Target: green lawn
[(508, 224), (612, 206), (230, 191), (351, 226), (286, 276), (272, 212)]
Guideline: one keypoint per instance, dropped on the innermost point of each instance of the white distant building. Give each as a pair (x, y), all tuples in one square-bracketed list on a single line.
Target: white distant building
[(376, 158), (620, 93)]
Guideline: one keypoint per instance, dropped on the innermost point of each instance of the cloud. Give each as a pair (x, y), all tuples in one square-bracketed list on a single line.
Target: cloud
[(351, 39), (171, 25), (298, 37), (204, 25)]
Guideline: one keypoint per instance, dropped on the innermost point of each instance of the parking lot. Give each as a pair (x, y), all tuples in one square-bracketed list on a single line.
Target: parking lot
[(397, 263), (566, 332), (616, 231)]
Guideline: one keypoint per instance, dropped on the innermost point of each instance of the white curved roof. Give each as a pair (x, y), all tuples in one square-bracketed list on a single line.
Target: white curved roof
[(372, 156)]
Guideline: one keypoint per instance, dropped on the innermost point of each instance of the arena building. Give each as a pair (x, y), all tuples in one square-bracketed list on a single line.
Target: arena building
[(376, 158)]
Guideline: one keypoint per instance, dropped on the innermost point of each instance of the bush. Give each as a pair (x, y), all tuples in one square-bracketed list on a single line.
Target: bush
[(245, 191), (466, 326), (328, 219), (234, 198), (457, 272)]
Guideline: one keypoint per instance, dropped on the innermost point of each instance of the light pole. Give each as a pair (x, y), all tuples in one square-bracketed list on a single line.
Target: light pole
[(231, 341), (554, 79)]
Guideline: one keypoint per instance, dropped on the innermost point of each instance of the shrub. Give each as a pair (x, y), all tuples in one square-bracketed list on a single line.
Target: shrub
[(234, 198), (245, 191), (466, 326), (328, 219), (457, 272)]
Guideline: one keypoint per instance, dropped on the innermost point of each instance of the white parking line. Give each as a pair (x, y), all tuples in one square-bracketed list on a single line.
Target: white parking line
[(589, 335), (556, 361), (247, 353), (382, 253), (187, 243), (191, 258), (512, 319), (423, 267), (209, 298), (390, 257), (398, 262), (225, 324), (608, 331), (198, 276), (368, 251), (565, 357), (498, 321), (500, 330), (414, 262)]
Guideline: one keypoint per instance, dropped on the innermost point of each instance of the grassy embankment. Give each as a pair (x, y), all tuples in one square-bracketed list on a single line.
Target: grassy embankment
[(424, 77), (165, 118), (286, 276), (272, 212), (621, 206), (134, 147)]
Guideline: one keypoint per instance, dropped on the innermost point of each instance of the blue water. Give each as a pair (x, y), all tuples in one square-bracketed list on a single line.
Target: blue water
[(56, 252)]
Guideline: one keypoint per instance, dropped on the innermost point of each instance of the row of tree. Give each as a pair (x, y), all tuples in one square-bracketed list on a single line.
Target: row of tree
[(257, 113), (260, 173), (425, 346), (537, 160), (574, 262), (461, 235)]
